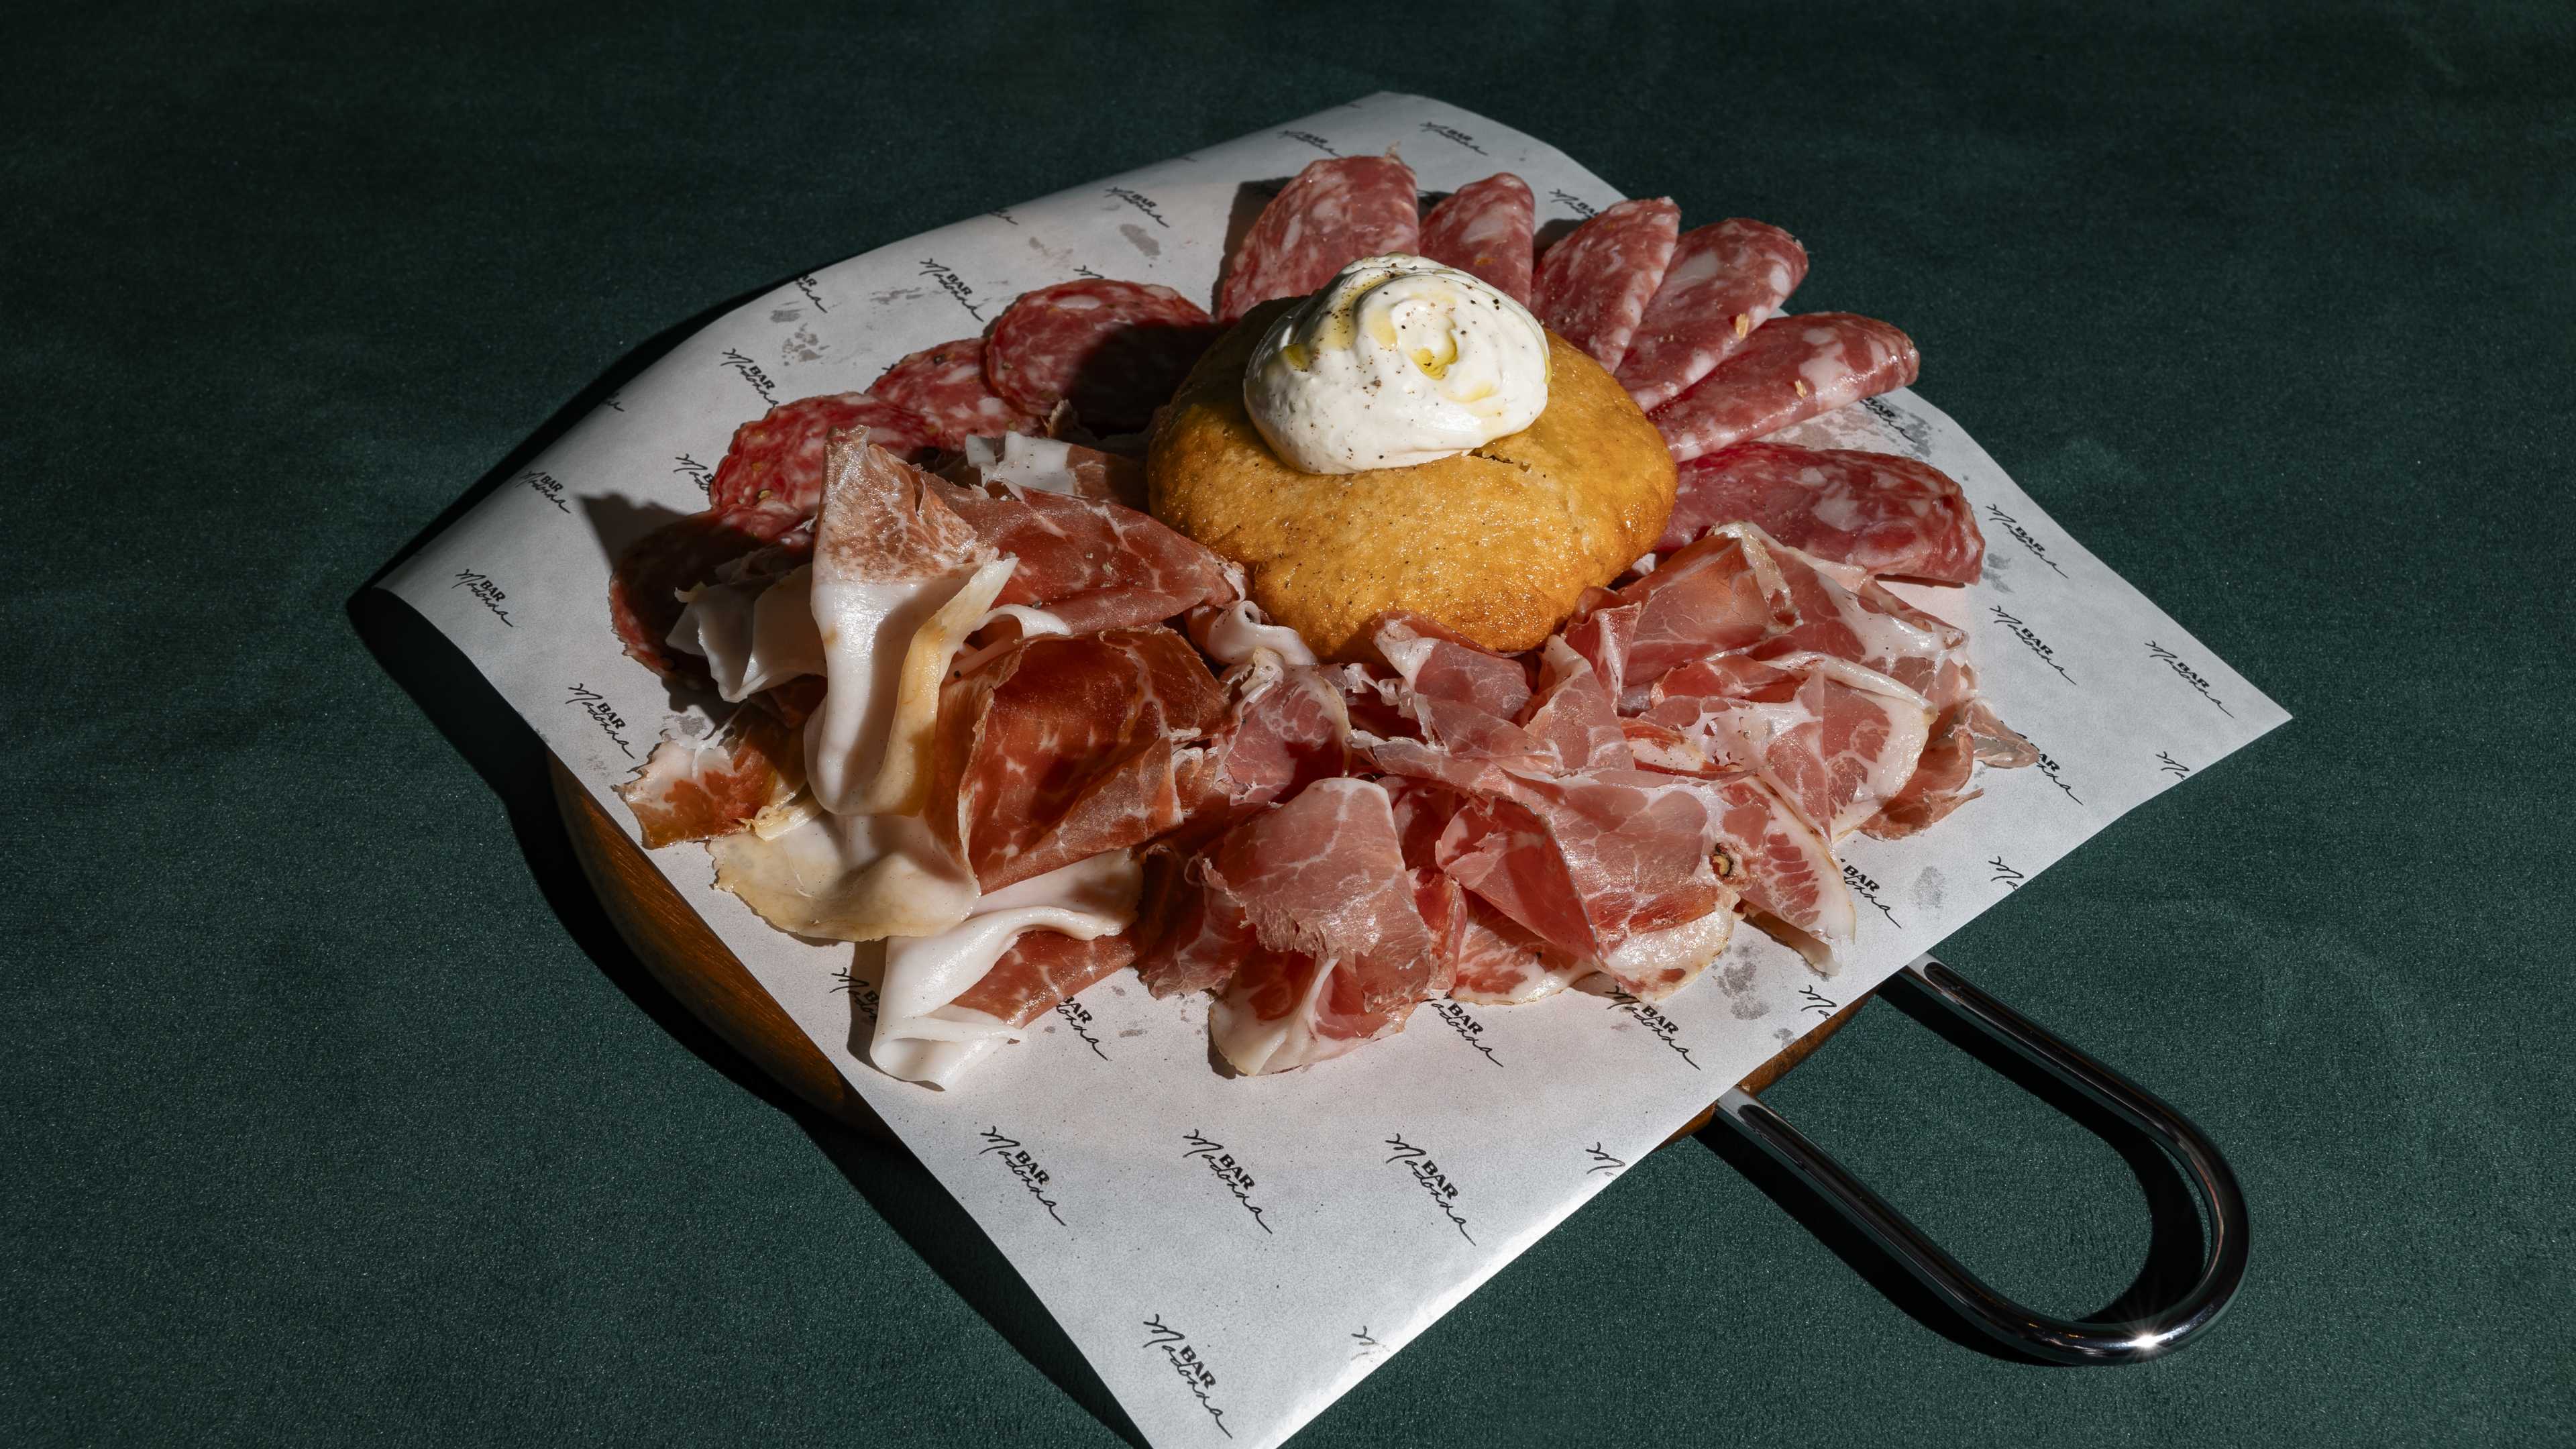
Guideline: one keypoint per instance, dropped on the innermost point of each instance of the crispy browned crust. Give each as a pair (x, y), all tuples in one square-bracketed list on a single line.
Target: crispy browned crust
[(1497, 544)]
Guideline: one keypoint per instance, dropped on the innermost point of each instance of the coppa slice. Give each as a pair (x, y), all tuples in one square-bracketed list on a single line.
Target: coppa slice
[(1593, 286), (1724, 281), (945, 385), (777, 461), (1878, 511), (1333, 213), (1485, 229), (1833, 739), (1115, 350), (1791, 369)]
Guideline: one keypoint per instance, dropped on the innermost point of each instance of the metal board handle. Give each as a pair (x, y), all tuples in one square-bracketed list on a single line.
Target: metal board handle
[(2038, 1334)]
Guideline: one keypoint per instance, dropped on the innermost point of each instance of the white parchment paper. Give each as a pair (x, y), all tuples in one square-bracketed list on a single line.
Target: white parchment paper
[(1232, 1255)]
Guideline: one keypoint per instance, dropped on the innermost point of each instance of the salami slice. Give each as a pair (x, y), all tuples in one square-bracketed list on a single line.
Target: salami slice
[(1335, 212), (1724, 281), (644, 587), (776, 462), (1484, 229), (1115, 350), (1593, 286), (1789, 370), (945, 385), (1885, 513)]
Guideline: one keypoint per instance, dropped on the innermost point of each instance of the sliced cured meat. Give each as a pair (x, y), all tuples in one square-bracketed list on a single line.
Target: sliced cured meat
[(699, 786), (1724, 281), (1187, 940), (1888, 514), (1044, 969), (1835, 740), (1966, 735), (1593, 286), (1790, 369), (1340, 949), (1652, 965), (1502, 964), (945, 387), (949, 997), (1848, 615), (1287, 727), (1115, 350), (644, 587), (1780, 866), (1094, 564), (1017, 463), (1063, 747), (1573, 717), (1330, 215), (777, 462), (1486, 229), (1721, 593), (754, 629), (1585, 861), (888, 556)]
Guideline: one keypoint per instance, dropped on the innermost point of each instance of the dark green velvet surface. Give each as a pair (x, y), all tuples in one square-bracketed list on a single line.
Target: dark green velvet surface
[(333, 1113)]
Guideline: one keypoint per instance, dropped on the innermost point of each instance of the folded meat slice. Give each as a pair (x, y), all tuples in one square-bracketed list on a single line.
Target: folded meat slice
[(1784, 870), (1286, 727), (1020, 464), (1790, 369), (705, 781), (1835, 740), (1500, 963), (1585, 861), (1846, 614), (888, 553), (1091, 563), (1966, 735), (1724, 280), (754, 632), (1574, 717), (1888, 514), (1721, 593), (651, 575), (947, 999), (1335, 945), (1064, 746)]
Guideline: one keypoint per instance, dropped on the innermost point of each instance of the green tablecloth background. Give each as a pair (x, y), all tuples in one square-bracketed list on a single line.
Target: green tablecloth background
[(333, 1112)]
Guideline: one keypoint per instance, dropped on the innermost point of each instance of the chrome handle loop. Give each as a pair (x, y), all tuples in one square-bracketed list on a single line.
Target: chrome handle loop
[(2038, 1334)]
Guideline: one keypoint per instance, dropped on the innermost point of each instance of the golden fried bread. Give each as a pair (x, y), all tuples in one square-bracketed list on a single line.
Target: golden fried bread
[(1496, 544)]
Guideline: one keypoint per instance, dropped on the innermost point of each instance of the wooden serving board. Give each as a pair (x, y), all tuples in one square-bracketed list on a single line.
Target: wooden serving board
[(696, 968)]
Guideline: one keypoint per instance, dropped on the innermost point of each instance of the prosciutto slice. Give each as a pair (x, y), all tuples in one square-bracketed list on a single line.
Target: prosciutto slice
[(706, 782), (949, 998), (1088, 563), (1337, 946), (1062, 747), (1878, 511), (1593, 285), (1724, 281), (1833, 739), (888, 554), (1790, 369), (1486, 229), (1781, 866), (1719, 594)]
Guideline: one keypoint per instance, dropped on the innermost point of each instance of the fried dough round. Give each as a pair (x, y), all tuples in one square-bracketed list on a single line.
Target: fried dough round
[(1497, 544)]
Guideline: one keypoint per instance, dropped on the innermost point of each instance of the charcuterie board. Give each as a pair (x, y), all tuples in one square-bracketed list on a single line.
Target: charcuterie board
[(705, 977)]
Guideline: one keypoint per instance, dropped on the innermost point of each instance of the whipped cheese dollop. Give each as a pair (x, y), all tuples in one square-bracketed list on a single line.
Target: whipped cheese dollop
[(1398, 361)]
